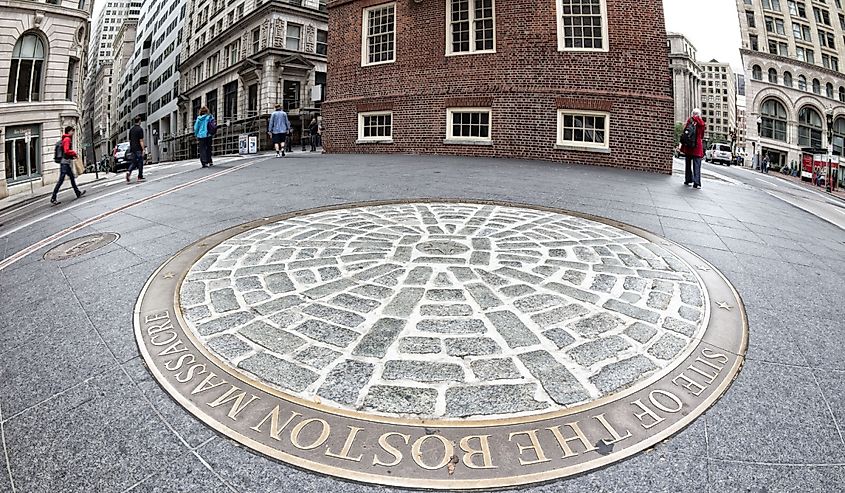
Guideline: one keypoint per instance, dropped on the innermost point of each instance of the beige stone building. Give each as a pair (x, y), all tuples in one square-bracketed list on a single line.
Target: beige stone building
[(123, 48), (42, 49), (240, 60), (718, 101), (793, 53), (686, 76)]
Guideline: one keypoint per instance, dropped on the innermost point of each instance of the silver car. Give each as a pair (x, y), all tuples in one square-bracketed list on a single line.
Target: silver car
[(719, 153)]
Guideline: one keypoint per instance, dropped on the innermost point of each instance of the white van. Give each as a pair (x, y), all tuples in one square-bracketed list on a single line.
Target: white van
[(719, 153)]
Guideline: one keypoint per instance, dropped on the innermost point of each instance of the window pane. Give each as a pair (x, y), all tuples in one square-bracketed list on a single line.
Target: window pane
[(36, 80), (13, 75), (24, 79)]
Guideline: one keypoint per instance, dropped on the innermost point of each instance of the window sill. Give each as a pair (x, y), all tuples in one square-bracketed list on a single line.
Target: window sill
[(468, 142), (464, 53), (572, 147), (374, 141)]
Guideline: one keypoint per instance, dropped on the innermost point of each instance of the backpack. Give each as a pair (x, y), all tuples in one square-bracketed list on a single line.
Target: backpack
[(59, 152), (689, 138), (212, 127)]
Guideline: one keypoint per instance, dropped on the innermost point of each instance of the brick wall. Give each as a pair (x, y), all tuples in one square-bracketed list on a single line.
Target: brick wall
[(527, 79)]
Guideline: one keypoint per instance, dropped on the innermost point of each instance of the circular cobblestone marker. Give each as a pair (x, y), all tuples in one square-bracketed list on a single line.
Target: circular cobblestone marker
[(80, 246), (442, 344)]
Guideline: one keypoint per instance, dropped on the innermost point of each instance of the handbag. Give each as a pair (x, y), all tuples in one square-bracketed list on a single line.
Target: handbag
[(78, 167)]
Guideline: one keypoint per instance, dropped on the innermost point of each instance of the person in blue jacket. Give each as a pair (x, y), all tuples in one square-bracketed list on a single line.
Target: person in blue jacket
[(278, 128), (204, 131)]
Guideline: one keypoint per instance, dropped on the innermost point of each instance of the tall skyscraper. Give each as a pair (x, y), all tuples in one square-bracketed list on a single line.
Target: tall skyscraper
[(718, 101), (98, 81)]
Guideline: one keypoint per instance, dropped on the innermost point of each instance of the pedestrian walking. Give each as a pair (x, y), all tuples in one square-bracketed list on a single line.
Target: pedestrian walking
[(204, 129), (64, 155), (136, 149), (765, 167), (278, 129), (314, 131), (692, 146)]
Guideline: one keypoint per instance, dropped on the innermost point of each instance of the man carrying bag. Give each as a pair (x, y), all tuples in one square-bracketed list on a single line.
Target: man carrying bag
[(65, 155)]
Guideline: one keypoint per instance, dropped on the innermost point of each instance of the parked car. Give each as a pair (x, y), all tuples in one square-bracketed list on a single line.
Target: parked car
[(719, 153), (121, 157)]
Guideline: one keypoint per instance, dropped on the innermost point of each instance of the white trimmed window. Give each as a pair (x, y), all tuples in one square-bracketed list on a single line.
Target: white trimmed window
[(468, 124), (582, 25), (471, 26), (375, 126), (378, 37), (583, 129)]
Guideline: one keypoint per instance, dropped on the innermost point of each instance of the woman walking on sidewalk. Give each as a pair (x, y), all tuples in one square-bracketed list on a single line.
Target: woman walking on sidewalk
[(204, 129)]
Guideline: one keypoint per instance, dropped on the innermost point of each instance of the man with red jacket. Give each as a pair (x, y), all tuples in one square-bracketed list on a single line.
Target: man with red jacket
[(694, 153), (66, 166)]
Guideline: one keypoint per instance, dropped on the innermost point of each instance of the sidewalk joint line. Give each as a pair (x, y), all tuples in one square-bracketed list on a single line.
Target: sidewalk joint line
[(54, 396), (6, 451)]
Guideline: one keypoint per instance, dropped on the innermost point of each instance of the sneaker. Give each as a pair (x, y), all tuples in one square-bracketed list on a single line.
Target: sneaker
[(140, 179), (283, 153), (277, 154), (696, 186), (687, 183), (127, 177), (54, 202), (80, 194)]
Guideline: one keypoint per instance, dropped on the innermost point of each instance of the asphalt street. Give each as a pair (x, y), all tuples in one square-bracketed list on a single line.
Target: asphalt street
[(80, 412)]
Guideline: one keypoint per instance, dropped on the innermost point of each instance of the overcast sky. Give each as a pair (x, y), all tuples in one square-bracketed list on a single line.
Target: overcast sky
[(711, 25)]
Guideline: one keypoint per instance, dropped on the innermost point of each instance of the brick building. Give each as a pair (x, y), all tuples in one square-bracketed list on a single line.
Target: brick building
[(581, 81)]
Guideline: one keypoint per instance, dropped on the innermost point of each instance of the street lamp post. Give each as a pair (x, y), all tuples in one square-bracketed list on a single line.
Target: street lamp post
[(759, 142), (829, 114)]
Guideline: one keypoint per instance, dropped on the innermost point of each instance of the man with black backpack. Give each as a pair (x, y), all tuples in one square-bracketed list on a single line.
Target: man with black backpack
[(64, 155), (692, 146)]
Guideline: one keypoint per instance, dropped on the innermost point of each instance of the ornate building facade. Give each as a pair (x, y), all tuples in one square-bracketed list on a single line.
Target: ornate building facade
[(42, 48), (686, 76), (579, 81), (793, 53), (240, 60)]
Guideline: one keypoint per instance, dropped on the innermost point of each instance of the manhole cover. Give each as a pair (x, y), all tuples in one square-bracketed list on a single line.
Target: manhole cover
[(449, 345), (80, 246)]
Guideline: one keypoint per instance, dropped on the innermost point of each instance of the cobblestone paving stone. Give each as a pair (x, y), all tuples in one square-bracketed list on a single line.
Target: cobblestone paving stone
[(444, 310)]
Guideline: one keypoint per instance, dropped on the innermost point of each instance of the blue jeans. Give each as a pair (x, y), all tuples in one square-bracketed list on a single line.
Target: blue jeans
[(692, 172), (65, 171), (137, 163)]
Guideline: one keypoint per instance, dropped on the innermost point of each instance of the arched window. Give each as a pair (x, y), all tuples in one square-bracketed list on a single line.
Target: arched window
[(773, 114), (809, 128), (817, 86), (842, 94), (773, 76), (757, 73), (787, 79), (828, 90), (839, 136), (27, 70), (802, 83)]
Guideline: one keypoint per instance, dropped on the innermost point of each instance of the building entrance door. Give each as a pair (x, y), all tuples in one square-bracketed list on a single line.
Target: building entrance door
[(777, 159)]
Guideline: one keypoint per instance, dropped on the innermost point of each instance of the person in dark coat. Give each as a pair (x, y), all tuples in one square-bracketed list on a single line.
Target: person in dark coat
[(693, 155)]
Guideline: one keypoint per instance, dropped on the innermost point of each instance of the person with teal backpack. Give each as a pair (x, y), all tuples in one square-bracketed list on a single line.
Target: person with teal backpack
[(204, 129)]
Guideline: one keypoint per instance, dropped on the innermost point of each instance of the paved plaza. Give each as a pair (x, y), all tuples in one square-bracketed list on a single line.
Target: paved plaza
[(497, 323)]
